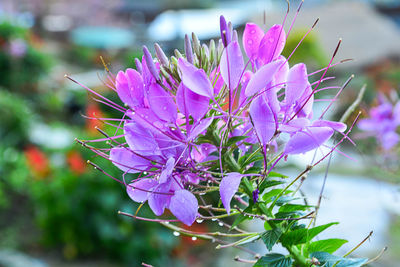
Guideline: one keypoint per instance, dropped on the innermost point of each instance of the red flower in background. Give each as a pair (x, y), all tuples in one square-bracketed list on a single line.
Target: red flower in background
[(76, 163), (38, 162), (93, 112)]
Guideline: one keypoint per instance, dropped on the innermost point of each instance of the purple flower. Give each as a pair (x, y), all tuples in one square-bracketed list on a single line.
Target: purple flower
[(383, 122), (179, 119)]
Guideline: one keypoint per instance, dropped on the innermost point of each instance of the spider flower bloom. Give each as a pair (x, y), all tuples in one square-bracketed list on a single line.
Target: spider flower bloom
[(180, 112), (383, 122)]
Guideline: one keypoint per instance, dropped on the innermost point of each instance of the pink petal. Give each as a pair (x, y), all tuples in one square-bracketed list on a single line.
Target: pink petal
[(134, 189), (199, 128), (252, 37), (228, 187), (272, 44), (262, 77), (127, 161), (297, 82), (232, 65), (263, 119), (195, 79), (308, 139), (184, 206), (191, 103), (162, 103), (129, 86)]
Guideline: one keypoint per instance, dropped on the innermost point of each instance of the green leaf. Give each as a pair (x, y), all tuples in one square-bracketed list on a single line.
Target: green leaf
[(272, 193), (233, 140), (326, 245), (271, 237), (275, 174), (313, 232), (268, 183), (352, 262), (294, 207), (274, 260), (301, 236), (328, 260)]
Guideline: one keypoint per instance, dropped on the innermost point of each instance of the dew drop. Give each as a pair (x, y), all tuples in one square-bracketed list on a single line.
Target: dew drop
[(194, 238), (250, 42), (166, 222), (176, 233), (253, 31), (164, 108), (221, 224), (145, 173), (213, 219), (199, 220)]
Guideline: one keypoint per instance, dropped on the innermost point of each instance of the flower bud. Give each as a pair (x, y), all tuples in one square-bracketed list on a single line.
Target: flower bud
[(150, 63), (162, 58), (188, 50), (138, 65), (196, 44)]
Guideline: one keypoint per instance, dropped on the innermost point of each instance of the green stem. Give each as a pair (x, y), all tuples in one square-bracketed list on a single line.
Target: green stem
[(299, 260)]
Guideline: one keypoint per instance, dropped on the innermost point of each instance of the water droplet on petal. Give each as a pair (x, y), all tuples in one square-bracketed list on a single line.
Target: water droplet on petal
[(250, 42), (164, 108), (253, 31), (176, 233)]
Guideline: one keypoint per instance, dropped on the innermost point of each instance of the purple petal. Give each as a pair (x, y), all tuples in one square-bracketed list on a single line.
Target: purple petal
[(160, 198), (294, 125), (139, 190), (226, 34), (262, 77), (232, 65), (297, 82), (368, 125), (263, 119), (216, 80), (128, 161), (150, 63), (199, 128), (195, 79), (184, 206), (228, 187), (129, 87), (190, 103), (162, 103), (140, 139), (252, 37), (308, 139), (272, 44), (337, 126), (389, 140), (166, 173)]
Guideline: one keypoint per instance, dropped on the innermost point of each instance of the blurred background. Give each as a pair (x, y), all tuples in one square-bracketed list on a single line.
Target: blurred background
[(56, 211)]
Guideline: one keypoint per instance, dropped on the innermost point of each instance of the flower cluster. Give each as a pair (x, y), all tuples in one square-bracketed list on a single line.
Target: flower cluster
[(383, 122), (190, 119)]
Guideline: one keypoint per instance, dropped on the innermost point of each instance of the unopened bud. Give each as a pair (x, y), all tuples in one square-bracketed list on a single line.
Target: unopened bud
[(162, 58), (188, 50), (150, 63), (196, 44), (138, 65)]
